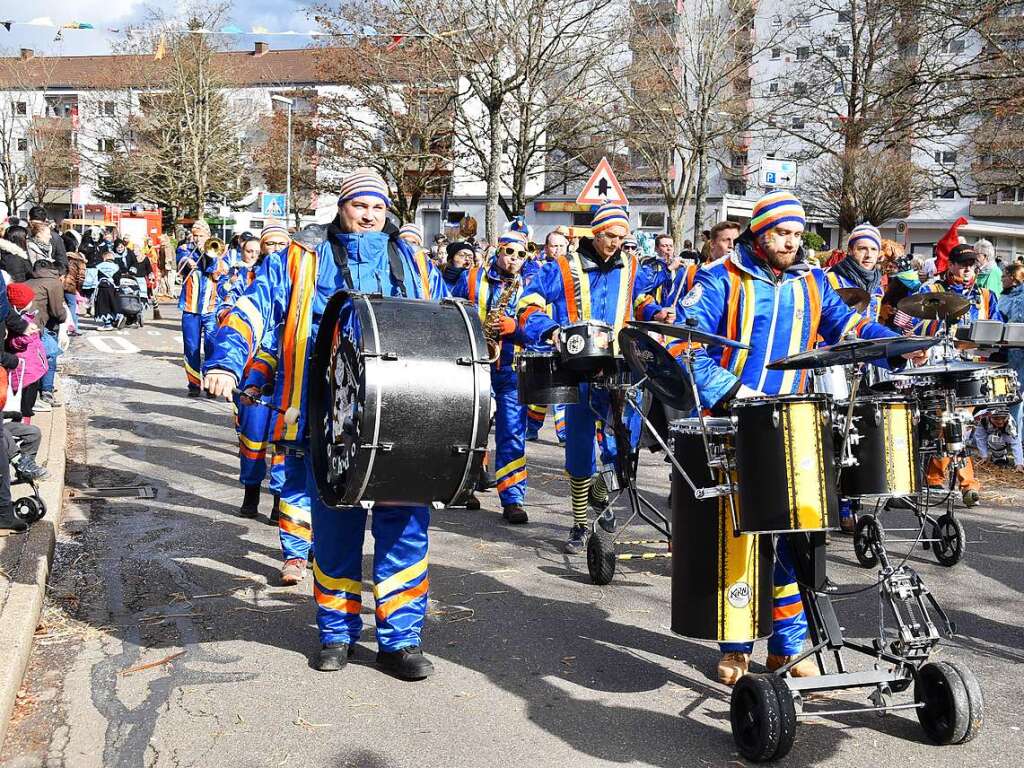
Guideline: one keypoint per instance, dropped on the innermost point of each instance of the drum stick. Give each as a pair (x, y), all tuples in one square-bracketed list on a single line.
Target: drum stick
[(291, 415)]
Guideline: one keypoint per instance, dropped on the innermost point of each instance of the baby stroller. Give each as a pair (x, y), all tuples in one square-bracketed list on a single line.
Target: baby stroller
[(27, 508), (131, 301)]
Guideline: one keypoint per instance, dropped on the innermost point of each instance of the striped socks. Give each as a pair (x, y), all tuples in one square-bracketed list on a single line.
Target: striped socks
[(580, 488), (599, 491)]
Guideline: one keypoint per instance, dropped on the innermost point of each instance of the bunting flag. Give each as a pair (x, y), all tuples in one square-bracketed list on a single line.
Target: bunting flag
[(396, 38)]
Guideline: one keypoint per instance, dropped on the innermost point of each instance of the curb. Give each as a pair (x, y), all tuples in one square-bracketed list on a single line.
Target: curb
[(20, 613)]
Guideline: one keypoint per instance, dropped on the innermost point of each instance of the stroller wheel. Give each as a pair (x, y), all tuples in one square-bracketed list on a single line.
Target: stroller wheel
[(29, 509)]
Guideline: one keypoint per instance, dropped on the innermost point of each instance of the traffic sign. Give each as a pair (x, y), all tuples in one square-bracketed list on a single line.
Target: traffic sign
[(602, 187), (273, 204), (778, 173)]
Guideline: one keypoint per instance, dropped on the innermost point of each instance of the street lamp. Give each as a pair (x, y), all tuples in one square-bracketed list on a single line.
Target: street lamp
[(288, 184)]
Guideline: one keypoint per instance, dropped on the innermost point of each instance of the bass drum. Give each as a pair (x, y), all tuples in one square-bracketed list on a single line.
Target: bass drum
[(399, 400), (721, 583)]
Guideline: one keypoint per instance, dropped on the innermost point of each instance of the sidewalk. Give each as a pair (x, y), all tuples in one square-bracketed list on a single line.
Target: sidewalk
[(25, 564)]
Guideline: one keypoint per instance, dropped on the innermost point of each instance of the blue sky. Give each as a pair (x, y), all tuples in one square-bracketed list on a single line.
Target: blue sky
[(274, 15)]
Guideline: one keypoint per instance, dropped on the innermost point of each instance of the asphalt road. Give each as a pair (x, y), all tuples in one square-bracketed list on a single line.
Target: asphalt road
[(535, 665)]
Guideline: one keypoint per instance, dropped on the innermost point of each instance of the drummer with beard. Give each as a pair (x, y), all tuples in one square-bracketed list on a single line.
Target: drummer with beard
[(291, 291), (597, 282), (483, 288), (764, 293)]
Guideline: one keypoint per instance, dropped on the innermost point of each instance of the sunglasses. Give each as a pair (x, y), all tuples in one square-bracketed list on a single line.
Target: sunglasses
[(275, 243), (630, 247), (510, 251)]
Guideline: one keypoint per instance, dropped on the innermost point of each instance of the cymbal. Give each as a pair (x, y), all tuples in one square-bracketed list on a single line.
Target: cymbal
[(946, 368), (934, 306), (687, 333), (662, 375), (856, 299), (855, 351)]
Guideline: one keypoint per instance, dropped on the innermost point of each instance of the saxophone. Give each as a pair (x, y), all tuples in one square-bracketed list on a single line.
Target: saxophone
[(492, 323)]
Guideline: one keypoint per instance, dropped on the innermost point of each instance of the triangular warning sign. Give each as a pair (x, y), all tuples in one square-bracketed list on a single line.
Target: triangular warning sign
[(602, 187)]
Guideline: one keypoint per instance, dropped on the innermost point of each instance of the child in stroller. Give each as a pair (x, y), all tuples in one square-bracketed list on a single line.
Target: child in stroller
[(132, 299)]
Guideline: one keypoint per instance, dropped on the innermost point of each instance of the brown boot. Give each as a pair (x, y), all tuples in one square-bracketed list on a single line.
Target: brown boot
[(732, 666), (293, 571), (806, 668)]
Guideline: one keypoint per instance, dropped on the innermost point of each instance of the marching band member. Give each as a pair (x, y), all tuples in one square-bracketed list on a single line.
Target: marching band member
[(197, 302), (484, 288), (860, 268), (351, 252), (598, 282), (765, 294), (957, 273), (555, 244)]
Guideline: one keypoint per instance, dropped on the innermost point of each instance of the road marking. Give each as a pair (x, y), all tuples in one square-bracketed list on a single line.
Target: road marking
[(105, 344), (153, 333)]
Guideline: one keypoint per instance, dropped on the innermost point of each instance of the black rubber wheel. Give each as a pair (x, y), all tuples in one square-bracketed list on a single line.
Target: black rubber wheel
[(601, 556), (953, 709), (760, 728), (951, 540), (29, 509), (787, 715), (867, 531)]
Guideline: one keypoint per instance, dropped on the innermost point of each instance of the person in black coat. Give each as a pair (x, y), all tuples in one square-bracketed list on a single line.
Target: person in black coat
[(14, 254), (58, 255)]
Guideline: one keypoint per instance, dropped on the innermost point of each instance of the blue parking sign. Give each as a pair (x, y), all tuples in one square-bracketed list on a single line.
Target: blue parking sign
[(769, 177)]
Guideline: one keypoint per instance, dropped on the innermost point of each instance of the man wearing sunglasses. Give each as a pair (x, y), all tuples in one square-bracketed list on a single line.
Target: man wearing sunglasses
[(598, 282), (484, 287)]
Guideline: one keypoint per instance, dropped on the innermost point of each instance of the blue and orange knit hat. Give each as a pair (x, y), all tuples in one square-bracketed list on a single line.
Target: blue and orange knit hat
[(865, 231), (413, 230), (609, 215), (363, 182), (773, 209), (513, 237)]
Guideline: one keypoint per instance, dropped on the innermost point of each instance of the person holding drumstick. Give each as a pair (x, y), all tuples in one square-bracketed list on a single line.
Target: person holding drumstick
[(598, 282), (352, 252), (766, 295)]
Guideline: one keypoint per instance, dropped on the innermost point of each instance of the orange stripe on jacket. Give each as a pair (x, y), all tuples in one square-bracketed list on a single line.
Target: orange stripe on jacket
[(235, 323), (569, 289), (336, 603), (732, 313), (392, 604)]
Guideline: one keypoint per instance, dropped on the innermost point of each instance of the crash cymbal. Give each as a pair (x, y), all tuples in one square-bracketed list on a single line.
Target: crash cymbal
[(855, 351), (946, 368), (686, 332), (660, 372), (856, 299), (934, 306)]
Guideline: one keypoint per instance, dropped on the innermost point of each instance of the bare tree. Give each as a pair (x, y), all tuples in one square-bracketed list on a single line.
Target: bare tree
[(23, 135), (269, 154)]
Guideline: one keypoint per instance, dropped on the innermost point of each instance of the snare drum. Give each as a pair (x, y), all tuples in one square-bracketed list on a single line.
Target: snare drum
[(988, 387), (587, 346), (543, 380), (883, 441), (721, 583), (785, 464), (831, 381)]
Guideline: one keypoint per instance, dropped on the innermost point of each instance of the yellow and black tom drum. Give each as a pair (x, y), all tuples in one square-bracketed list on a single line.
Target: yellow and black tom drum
[(785, 464), (883, 441), (721, 583)]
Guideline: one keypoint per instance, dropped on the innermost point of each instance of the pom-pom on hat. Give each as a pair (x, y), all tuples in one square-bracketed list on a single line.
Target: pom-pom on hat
[(773, 209), (20, 295), (363, 182), (867, 232), (609, 215)]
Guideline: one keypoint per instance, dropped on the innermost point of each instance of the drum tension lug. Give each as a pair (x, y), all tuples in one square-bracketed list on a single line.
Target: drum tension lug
[(382, 447), (459, 450), (471, 361)]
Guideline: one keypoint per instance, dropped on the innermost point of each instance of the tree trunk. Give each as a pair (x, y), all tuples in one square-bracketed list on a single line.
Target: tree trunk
[(493, 171), (701, 196)]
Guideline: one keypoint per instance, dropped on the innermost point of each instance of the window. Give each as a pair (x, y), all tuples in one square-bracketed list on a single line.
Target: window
[(107, 108), (842, 51), (946, 157), (256, 224), (776, 21), (955, 46), (798, 123), (944, 193), (844, 17), (582, 219), (106, 145), (776, 53), (802, 21), (738, 159), (23, 145), (838, 88), (652, 220), (19, 107), (803, 53), (736, 187), (773, 89), (799, 89)]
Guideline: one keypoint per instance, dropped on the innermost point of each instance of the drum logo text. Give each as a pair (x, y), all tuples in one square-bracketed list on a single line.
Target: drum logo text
[(739, 595), (574, 345)]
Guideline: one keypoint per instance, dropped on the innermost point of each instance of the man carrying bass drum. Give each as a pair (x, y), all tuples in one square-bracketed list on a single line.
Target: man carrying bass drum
[(352, 252), (765, 294)]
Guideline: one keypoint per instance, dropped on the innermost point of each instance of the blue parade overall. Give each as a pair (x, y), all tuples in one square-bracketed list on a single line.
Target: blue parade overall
[(535, 415), (579, 287), (198, 303), (482, 288), (294, 291), (740, 298)]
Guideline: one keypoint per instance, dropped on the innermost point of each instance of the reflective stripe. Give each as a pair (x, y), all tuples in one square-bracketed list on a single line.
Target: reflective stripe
[(512, 466), (351, 586), (254, 445), (397, 580), (251, 314), (402, 598), (786, 590), (336, 603), (296, 513), (511, 480)]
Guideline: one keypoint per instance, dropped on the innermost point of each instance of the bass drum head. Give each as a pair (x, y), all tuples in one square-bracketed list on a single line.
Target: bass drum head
[(336, 397)]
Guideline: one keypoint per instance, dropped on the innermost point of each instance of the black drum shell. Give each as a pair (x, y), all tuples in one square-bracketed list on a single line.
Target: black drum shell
[(887, 462), (705, 605), (541, 379), (587, 347), (770, 500), (433, 382)]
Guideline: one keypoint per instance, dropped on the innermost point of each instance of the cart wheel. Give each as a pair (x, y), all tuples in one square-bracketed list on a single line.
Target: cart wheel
[(867, 531), (600, 556), (951, 540), (970, 498), (953, 709), (29, 509), (763, 727)]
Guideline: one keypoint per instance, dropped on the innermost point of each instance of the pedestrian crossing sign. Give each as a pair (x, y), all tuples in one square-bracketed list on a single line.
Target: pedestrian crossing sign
[(602, 187), (272, 204)]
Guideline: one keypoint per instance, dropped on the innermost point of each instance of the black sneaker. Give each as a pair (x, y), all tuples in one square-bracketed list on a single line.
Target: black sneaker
[(250, 502), (275, 511), (30, 470), (193, 392), (515, 514), (334, 657), (406, 663), (577, 542)]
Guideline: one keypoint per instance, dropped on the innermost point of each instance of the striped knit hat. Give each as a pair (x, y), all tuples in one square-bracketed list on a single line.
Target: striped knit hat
[(773, 209), (363, 182), (865, 231), (412, 230), (609, 215), (274, 229), (513, 237)]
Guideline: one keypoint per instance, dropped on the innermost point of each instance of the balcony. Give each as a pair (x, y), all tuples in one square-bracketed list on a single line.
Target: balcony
[(983, 210)]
